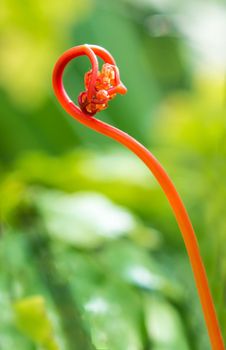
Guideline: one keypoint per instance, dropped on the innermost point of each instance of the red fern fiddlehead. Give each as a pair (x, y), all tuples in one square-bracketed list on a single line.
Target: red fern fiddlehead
[(100, 88)]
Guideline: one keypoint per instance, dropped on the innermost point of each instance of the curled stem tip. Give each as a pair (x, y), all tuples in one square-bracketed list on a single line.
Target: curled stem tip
[(101, 86)]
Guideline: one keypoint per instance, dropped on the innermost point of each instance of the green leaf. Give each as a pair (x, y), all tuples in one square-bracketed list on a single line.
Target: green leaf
[(113, 315), (164, 325), (84, 220), (32, 319), (136, 266), (105, 303)]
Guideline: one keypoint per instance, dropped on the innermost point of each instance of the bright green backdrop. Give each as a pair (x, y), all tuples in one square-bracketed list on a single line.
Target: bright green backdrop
[(90, 254)]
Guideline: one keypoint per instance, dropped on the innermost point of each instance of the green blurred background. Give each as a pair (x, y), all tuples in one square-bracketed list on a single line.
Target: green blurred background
[(90, 253)]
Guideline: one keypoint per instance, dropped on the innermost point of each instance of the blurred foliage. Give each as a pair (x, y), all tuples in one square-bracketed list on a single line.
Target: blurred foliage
[(104, 280), (90, 254), (31, 319), (197, 123), (33, 34)]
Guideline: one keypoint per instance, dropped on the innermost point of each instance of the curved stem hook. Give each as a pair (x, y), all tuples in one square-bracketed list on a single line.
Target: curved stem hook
[(84, 116)]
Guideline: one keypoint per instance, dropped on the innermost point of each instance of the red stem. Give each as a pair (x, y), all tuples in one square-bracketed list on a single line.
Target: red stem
[(157, 170)]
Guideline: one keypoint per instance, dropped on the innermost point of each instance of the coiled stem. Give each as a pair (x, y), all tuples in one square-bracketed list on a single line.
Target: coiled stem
[(85, 117)]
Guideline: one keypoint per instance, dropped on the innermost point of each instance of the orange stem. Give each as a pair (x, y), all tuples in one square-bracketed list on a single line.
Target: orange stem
[(157, 170)]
